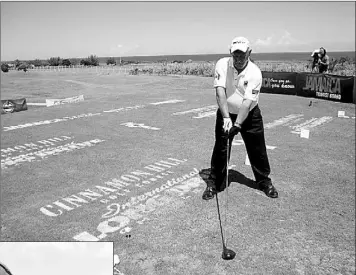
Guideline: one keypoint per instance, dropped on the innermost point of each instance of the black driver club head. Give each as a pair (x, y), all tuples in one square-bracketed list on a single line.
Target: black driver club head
[(228, 254)]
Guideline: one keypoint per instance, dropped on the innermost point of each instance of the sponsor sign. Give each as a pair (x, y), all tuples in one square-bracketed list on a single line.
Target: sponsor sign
[(279, 83), (325, 86)]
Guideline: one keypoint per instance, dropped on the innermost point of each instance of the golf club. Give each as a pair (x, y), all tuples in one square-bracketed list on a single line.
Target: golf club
[(227, 254)]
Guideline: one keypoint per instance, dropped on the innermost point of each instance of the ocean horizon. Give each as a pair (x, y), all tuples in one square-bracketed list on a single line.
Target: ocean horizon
[(281, 56), (278, 56)]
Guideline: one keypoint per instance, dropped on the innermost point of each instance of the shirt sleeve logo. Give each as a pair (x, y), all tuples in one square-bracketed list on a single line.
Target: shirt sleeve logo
[(245, 83), (217, 76), (254, 92)]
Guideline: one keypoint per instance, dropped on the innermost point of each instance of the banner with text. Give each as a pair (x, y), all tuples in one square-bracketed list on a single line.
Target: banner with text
[(326, 86), (13, 105), (280, 83)]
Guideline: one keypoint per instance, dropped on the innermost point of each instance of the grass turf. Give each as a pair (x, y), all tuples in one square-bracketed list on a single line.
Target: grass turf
[(308, 230)]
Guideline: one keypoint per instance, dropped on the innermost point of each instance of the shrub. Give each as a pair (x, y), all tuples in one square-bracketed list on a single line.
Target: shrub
[(110, 61), (37, 63), (74, 61), (93, 60), (90, 61), (54, 61), (66, 62), (17, 63), (4, 67), (23, 67), (84, 62), (134, 71), (45, 63)]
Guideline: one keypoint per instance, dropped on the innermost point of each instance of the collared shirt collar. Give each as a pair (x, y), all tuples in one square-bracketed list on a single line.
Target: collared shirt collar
[(231, 64)]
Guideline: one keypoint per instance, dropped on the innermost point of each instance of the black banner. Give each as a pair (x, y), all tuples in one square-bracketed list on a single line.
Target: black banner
[(354, 95), (326, 86), (13, 105), (279, 83)]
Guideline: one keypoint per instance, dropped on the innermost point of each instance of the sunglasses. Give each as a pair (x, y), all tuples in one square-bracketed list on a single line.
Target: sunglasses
[(239, 55)]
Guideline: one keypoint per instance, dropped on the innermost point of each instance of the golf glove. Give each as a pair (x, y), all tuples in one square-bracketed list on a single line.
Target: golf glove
[(234, 131), (227, 124)]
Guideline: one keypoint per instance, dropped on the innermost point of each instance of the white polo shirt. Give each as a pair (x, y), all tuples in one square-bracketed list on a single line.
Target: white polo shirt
[(245, 85)]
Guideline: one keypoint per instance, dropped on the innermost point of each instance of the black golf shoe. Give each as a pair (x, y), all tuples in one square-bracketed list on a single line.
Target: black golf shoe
[(270, 191), (209, 193)]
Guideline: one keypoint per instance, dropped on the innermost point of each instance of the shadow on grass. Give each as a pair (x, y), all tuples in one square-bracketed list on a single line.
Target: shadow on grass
[(234, 176)]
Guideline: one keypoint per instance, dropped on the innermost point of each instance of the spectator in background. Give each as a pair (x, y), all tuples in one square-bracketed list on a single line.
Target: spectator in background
[(315, 55), (323, 61)]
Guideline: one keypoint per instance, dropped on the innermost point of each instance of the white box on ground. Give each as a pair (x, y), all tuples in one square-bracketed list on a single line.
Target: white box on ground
[(247, 161), (340, 113), (304, 133), (51, 102)]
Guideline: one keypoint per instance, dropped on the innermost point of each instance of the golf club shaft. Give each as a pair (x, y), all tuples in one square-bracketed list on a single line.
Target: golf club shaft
[(222, 236), (227, 187)]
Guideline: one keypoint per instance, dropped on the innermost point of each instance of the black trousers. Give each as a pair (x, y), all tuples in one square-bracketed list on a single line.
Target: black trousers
[(252, 133)]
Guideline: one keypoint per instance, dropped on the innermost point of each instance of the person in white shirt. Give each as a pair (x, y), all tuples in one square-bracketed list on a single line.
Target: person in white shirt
[(237, 83)]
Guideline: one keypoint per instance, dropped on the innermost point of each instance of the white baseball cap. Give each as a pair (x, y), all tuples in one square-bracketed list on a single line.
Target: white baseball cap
[(240, 43), (316, 51)]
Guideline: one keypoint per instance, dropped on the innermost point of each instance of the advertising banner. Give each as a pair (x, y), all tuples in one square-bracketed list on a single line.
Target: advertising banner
[(279, 83), (325, 86)]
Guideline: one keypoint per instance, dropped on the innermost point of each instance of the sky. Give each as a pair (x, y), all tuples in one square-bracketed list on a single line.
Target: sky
[(31, 30), (58, 258)]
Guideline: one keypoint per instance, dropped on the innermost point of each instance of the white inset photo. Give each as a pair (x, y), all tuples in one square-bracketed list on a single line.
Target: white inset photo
[(56, 258)]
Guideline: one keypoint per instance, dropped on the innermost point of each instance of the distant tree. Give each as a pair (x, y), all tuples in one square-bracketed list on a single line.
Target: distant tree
[(66, 62), (110, 61), (23, 66), (4, 67), (93, 60), (37, 62), (74, 61), (54, 61), (85, 62), (17, 63), (45, 63)]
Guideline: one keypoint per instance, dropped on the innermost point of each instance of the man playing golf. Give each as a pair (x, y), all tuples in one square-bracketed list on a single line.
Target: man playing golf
[(238, 82)]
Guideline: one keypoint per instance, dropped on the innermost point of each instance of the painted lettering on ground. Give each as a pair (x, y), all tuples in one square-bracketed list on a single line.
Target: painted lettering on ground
[(112, 189), (205, 114), (311, 123), (282, 121), (241, 142), (168, 102), (197, 110), (122, 217), (139, 125), (33, 146), (44, 122), (46, 152), (124, 109)]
